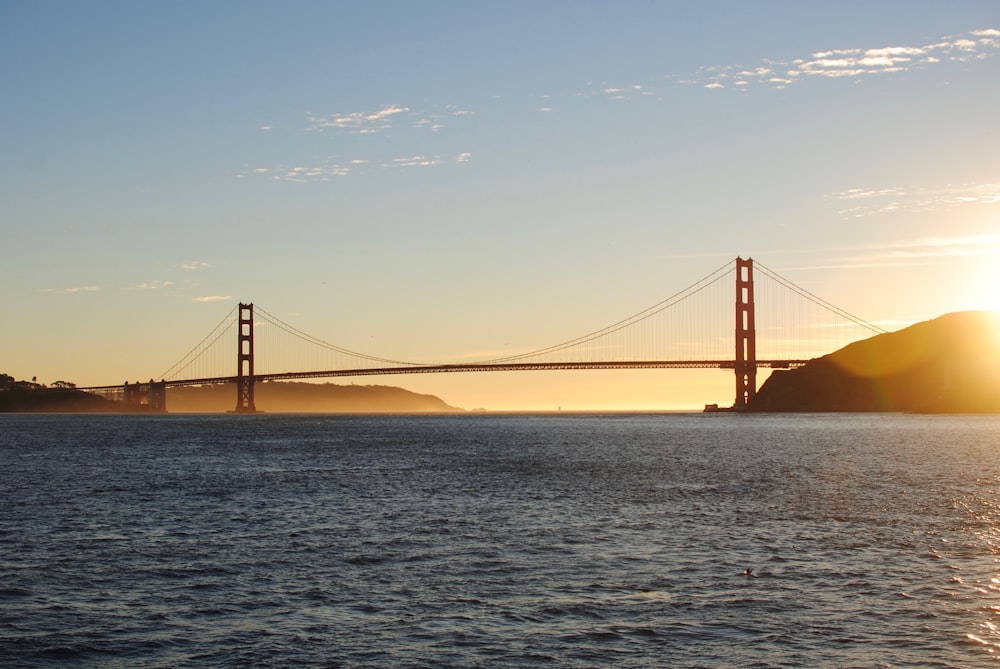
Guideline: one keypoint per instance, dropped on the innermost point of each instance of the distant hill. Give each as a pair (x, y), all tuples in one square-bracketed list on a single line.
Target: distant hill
[(947, 365), (296, 397), (276, 397), (24, 396)]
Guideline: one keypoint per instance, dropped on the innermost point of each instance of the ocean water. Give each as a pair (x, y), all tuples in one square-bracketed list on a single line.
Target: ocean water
[(500, 541)]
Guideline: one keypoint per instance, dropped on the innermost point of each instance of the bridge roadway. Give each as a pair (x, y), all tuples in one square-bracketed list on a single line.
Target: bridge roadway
[(479, 367)]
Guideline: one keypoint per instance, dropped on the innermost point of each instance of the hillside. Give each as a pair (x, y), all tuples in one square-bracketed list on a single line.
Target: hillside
[(54, 401), (276, 397), (947, 365), (295, 397)]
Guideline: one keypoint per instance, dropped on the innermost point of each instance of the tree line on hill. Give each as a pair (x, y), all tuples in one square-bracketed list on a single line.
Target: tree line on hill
[(37, 397)]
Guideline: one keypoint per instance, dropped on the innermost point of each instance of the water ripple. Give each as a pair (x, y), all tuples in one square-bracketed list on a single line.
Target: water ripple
[(565, 541)]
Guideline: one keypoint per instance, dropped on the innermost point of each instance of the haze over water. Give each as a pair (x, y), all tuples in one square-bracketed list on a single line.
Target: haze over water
[(576, 540)]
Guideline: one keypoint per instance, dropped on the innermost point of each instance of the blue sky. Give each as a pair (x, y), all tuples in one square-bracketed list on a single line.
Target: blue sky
[(400, 178)]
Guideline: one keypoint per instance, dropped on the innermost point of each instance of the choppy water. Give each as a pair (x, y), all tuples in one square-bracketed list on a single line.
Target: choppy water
[(572, 541)]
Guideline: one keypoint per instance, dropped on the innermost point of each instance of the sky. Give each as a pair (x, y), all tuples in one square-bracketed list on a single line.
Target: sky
[(425, 181)]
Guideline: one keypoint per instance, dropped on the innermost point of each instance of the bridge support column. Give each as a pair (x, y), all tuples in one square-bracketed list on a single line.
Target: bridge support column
[(132, 395), (157, 396), (746, 336), (244, 375), (145, 397)]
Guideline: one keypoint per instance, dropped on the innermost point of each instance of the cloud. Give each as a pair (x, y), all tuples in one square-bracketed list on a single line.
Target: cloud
[(411, 128), (942, 247), (325, 171), (848, 63), (964, 241), (624, 92), (360, 123), (330, 170), (432, 123), (921, 251), (194, 266), (214, 298), (415, 161), (155, 284), (71, 290), (869, 202)]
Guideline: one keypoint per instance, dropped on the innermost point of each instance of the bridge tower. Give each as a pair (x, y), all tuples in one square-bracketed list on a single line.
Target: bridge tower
[(244, 376), (746, 336)]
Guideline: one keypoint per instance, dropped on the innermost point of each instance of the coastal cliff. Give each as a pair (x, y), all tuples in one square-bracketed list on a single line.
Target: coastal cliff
[(947, 365)]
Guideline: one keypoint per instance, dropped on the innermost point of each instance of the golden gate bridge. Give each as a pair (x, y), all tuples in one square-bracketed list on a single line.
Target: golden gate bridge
[(740, 317)]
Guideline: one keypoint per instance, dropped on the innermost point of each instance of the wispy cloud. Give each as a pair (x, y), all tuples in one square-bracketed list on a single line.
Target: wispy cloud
[(920, 251), (329, 170), (840, 63), (413, 130), (625, 92), (300, 173), (360, 123), (432, 123), (414, 161), (194, 266), (155, 284), (72, 289), (214, 298), (950, 244), (936, 248), (861, 202)]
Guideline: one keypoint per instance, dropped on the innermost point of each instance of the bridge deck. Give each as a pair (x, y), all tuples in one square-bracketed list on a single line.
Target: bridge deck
[(480, 367)]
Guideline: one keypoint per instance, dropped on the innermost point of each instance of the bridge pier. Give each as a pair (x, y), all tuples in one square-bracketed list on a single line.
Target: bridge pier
[(746, 336), (244, 375), (157, 400), (148, 397)]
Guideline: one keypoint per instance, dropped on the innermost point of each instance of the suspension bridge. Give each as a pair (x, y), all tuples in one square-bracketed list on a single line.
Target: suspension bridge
[(741, 317)]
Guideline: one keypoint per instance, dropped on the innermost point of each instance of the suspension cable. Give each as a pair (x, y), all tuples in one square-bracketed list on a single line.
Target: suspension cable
[(189, 358), (308, 338), (819, 301), (691, 290)]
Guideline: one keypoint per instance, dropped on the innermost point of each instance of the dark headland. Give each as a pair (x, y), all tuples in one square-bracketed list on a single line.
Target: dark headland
[(17, 396), (947, 365)]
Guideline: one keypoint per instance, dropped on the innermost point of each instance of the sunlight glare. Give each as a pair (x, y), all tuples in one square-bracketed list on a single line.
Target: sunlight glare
[(984, 293)]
